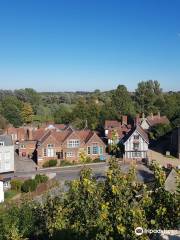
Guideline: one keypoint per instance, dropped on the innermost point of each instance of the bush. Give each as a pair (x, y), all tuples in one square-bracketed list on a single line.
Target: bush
[(66, 163), (41, 178), (16, 184), (50, 163), (29, 185)]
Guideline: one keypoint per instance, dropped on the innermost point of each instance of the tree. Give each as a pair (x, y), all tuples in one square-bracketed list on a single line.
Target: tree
[(3, 122), (27, 113), (146, 94), (122, 101)]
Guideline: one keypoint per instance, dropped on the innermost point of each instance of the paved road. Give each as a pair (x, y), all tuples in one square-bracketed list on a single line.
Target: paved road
[(99, 169)]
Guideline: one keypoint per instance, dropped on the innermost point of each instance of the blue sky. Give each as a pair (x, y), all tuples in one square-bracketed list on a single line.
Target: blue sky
[(60, 45)]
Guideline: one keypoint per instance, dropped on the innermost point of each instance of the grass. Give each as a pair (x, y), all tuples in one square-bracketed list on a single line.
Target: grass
[(10, 194)]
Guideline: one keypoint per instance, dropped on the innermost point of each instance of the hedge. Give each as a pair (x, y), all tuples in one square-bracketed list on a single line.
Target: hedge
[(50, 163)]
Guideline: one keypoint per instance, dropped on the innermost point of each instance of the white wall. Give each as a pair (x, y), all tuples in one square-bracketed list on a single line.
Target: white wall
[(129, 146), (6, 159), (1, 192), (145, 125)]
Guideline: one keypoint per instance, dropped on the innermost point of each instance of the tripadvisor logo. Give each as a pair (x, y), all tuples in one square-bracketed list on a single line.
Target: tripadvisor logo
[(139, 231)]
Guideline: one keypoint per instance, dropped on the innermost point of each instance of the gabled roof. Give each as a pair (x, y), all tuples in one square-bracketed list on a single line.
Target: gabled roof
[(156, 119), (141, 132), (112, 124)]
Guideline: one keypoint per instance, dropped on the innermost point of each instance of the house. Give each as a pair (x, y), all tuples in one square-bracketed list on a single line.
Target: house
[(135, 143), (150, 121), (175, 142), (115, 130), (68, 144), (6, 154)]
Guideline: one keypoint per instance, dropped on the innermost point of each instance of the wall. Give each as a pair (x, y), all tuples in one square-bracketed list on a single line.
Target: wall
[(1, 192), (7, 152)]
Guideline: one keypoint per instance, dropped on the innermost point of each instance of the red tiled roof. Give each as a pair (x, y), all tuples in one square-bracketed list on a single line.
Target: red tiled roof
[(154, 120), (112, 124)]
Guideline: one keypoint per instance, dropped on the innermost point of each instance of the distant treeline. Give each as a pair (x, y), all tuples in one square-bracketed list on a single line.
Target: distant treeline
[(79, 108)]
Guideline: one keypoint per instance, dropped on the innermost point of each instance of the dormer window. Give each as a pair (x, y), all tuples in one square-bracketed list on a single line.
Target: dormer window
[(1, 144)]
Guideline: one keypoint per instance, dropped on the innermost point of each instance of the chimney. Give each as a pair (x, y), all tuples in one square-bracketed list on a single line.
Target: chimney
[(143, 116), (124, 119), (159, 115), (151, 115), (137, 119)]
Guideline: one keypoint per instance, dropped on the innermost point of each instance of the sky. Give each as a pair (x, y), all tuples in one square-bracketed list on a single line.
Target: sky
[(71, 45)]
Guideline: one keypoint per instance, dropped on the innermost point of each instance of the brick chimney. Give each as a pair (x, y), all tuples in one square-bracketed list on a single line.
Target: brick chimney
[(124, 119), (137, 119)]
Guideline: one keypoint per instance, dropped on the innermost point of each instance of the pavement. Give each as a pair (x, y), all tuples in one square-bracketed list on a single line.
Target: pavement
[(163, 160), (69, 173)]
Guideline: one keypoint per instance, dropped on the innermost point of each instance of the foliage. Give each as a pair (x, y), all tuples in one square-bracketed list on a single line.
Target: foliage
[(91, 209), (50, 163), (27, 113), (16, 184), (29, 185), (3, 122), (122, 101), (41, 178), (160, 130)]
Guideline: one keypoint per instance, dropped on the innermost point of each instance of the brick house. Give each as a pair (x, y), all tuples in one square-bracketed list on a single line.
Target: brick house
[(67, 145), (115, 130)]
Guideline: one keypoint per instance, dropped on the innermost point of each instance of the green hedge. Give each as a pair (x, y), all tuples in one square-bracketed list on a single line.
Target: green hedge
[(16, 184), (41, 178), (29, 185), (50, 163)]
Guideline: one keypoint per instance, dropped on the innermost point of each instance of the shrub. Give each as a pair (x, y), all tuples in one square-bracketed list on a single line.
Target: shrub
[(66, 163), (50, 163), (41, 178), (29, 185), (16, 184)]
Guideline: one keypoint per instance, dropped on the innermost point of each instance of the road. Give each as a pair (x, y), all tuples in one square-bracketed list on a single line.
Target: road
[(99, 169)]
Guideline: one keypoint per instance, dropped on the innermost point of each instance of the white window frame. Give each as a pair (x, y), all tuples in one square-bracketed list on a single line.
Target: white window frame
[(73, 143), (95, 145), (69, 154)]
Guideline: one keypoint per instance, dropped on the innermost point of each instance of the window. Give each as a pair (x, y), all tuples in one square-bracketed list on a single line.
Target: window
[(136, 154), (50, 145), (95, 149), (101, 150), (74, 143), (69, 154), (1, 144), (23, 146), (136, 146), (136, 137), (88, 150), (50, 152)]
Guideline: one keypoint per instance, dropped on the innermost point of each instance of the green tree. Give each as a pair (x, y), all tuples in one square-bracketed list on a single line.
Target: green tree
[(122, 101)]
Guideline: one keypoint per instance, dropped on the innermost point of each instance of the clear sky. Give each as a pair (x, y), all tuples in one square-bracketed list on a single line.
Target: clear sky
[(57, 45)]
